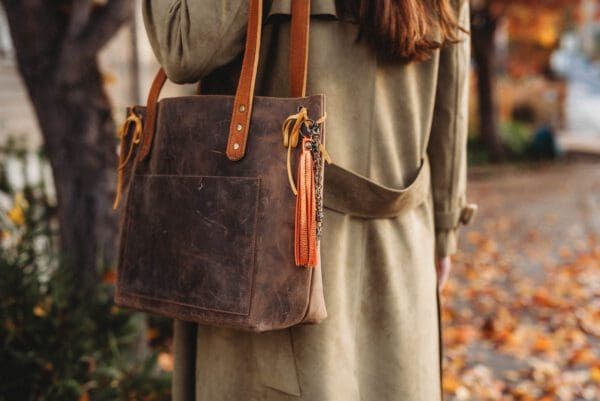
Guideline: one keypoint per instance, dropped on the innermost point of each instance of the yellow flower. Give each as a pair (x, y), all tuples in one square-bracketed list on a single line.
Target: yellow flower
[(39, 311), (17, 216), (17, 213)]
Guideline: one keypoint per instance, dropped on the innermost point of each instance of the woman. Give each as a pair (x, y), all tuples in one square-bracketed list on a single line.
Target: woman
[(394, 73)]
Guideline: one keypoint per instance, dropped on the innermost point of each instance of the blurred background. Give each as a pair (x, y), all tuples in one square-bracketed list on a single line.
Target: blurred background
[(521, 311)]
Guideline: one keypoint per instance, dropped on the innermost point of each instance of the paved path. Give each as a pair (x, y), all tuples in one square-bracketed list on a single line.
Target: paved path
[(522, 311)]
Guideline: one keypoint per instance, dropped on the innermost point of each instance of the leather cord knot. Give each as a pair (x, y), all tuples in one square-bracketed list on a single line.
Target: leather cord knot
[(292, 130), (136, 121)]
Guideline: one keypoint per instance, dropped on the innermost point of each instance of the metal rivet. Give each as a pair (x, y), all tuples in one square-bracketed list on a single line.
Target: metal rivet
[(239, 127), (236, 146), (242, 108)]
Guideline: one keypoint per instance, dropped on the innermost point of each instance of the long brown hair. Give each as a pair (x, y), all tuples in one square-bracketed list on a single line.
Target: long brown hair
[(404, 29)]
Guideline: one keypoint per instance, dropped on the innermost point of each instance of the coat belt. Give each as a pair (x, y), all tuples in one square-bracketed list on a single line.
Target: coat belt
[(353, 194)]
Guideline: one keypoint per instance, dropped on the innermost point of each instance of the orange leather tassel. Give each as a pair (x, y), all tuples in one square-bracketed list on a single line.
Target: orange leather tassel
[(306, 212)]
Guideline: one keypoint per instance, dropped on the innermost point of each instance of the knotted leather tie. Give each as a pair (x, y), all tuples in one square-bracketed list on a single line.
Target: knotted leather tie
[(123, 161), (291, 130)]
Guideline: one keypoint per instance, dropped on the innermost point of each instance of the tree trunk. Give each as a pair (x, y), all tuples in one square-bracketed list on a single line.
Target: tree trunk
[(61, 73), (79, 136), (483, 30)]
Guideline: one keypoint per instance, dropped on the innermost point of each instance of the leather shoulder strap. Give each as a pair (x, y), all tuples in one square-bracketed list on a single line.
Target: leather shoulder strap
[(300, 28), (242, 107), (150, 119)]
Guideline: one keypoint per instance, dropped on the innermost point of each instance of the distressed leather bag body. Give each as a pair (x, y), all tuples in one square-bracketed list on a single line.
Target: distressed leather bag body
[(211, 230)]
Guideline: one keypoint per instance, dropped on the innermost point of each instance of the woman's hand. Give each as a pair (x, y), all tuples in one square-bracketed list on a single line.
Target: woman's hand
[(443, 266)]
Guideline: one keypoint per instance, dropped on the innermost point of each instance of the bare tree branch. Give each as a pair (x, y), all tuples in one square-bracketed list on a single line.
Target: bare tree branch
[(103, 22)]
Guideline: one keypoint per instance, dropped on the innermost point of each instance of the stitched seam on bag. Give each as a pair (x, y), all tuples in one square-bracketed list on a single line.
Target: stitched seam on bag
[(128, 289), (149, 297), (231, 321), (248, 298), (256, 211)]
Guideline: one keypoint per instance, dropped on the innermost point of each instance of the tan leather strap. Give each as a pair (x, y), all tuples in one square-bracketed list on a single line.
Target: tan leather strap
[(150, 123), (242, 109), (242, 105), (300, 28)]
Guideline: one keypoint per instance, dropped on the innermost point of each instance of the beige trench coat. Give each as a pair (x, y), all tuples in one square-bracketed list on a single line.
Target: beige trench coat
[(381, 339)]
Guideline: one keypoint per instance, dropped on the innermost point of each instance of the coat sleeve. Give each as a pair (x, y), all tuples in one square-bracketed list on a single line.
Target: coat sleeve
[(447, 146), (191, 38)]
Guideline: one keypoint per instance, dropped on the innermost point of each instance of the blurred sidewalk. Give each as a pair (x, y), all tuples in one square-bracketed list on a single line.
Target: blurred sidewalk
[(522, 310)]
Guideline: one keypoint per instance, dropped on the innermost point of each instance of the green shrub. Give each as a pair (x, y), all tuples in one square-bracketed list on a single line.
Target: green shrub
[(53, 346), (517, 138)]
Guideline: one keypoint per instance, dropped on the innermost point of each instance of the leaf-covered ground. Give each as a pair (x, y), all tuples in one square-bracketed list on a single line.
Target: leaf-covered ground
[(522, 309)]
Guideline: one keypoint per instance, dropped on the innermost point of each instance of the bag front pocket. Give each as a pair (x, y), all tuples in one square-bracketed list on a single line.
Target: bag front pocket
[(190, 240)]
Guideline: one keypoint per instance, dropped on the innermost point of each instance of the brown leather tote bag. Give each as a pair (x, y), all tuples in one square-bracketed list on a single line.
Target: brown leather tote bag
[(211, 231)]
